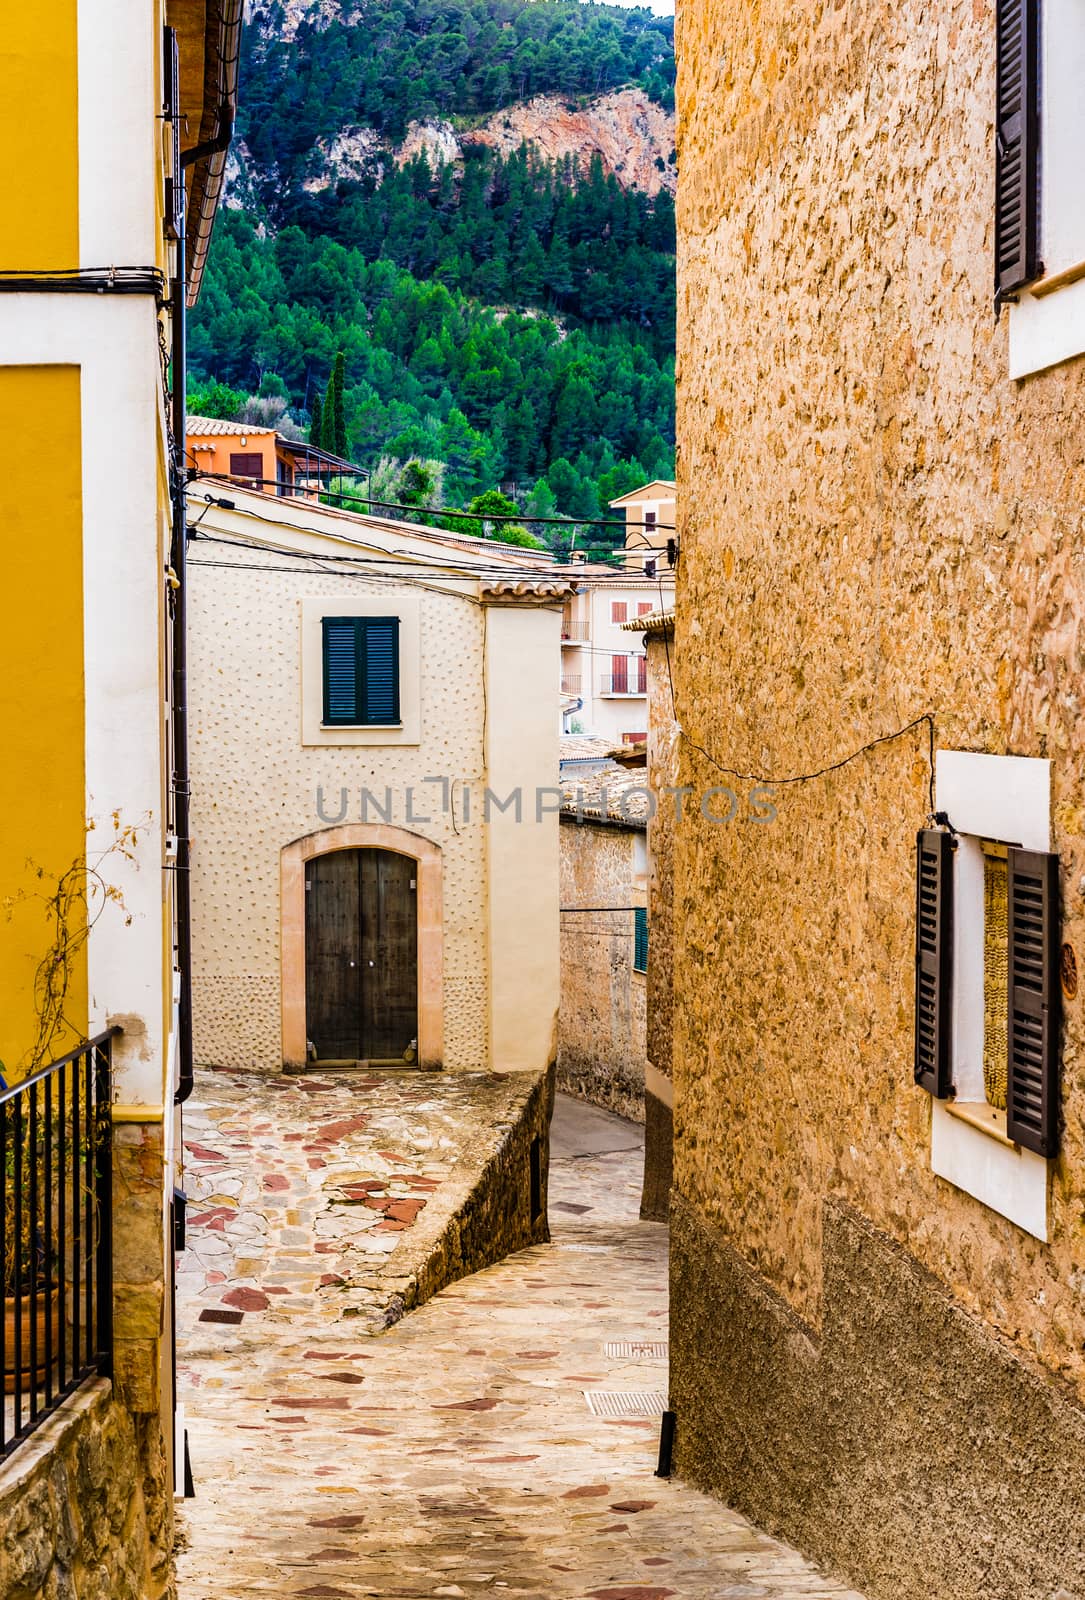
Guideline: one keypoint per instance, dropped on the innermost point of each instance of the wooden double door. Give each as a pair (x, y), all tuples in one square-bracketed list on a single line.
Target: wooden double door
[(361, 954)]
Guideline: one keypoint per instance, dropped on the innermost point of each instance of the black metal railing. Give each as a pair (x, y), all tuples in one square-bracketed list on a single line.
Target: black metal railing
[(56, 1235)]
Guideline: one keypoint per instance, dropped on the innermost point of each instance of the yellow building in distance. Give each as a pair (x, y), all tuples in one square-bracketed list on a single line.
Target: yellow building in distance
[(114, 120)]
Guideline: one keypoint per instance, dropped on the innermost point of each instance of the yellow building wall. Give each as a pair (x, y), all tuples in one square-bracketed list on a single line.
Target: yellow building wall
[(42, 703), (39, 138)]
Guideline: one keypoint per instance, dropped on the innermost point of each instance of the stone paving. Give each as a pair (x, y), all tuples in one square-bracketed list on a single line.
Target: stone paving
[(455, 1453)]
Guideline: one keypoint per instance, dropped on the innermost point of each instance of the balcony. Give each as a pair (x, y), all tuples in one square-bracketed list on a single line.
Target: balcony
[(570, 682), (573, 632), (632, 684)]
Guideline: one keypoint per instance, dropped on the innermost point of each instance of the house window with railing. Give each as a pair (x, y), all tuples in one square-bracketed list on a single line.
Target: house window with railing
[(627, 675)]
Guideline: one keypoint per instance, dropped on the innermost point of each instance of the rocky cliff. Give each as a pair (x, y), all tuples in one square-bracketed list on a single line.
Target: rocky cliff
[(633, 136)]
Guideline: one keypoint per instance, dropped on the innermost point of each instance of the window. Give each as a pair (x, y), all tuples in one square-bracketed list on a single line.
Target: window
[(649, 523), (249, 468), (619, 611), (619, 675), (987, 982), (644, 608), (1040, 203), (361, 671), (640, 939)]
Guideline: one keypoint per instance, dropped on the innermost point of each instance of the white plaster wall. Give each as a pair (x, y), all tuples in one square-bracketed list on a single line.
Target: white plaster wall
[(119, 129), (522, 646), (255, 790), (113, 341)]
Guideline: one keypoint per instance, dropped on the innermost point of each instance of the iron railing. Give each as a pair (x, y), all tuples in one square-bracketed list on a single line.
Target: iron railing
[(570, 683), (56, 1235), (574, 632), (632, 682)]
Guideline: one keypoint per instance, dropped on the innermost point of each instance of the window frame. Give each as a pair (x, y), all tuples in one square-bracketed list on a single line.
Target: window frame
[(997, 798), (407, 608), (361, 627)]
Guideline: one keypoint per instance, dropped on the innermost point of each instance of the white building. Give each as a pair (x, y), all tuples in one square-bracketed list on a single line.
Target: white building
[(649, 522), (604, 683)]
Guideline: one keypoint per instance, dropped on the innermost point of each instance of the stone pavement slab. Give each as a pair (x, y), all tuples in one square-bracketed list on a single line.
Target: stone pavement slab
[(456, 1454)]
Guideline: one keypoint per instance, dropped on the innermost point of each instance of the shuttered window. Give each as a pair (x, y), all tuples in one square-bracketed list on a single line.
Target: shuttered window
[(173, 211), (640, 939), (361, 671), (1017, 146), (1032, 1089), (934, 962), (247, 465)]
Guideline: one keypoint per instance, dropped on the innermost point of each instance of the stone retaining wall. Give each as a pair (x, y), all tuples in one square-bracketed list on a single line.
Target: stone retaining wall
[(485, 1210), (74, 1521)]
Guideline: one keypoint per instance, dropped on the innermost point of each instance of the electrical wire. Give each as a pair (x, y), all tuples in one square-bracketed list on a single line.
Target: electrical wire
[(519, 517), (763, 780)]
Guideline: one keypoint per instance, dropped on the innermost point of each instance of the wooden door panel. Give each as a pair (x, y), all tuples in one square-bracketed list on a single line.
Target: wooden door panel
[(333, 955), (389, 954)]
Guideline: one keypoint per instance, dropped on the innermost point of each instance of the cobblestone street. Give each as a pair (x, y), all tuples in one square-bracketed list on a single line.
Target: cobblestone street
[(457, 1452)]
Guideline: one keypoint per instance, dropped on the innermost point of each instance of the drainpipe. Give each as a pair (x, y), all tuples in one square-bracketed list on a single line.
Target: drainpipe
[(179, 560)]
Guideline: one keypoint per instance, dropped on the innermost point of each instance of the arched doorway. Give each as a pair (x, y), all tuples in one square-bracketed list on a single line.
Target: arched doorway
[(361, 946)]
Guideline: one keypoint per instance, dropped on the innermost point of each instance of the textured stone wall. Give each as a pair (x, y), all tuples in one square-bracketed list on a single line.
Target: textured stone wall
[(601, 1028), (254, 789), (658, 1096), (876, 522), (494, 1204), (74, 1522)]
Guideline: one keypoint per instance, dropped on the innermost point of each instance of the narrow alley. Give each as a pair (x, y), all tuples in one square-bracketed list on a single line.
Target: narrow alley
[(474, 1446)]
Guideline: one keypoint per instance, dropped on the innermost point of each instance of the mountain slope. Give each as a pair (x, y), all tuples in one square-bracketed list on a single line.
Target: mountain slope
[(473, 200)]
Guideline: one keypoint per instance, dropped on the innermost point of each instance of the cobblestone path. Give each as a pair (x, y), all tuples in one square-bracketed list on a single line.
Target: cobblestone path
[(455, 1454)]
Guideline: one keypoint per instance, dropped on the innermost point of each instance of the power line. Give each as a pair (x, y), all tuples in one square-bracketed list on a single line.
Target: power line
[(519, 517), (762, 779)]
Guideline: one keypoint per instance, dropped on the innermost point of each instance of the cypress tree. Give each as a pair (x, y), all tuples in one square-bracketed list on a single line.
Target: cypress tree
[(316, 435), (335, 422)]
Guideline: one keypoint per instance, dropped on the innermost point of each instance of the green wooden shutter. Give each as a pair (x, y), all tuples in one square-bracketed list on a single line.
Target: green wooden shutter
[(379, 654), (1032, 1089), (934, 962), (361, 671), (640, 939)]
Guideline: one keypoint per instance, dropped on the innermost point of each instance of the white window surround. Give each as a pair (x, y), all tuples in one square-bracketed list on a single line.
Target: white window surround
[(1047, 325), (986, 797), (409, 728)]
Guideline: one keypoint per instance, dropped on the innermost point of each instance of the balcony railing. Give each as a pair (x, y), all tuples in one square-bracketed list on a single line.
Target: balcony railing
[(635, 683), (56, 1235), (574, 632), (570, 682)]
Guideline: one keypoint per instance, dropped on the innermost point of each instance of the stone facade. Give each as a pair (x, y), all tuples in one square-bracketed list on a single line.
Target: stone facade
[(876, 522), (75, 1517), (478, 662), (601, 1029), (659, 1071)]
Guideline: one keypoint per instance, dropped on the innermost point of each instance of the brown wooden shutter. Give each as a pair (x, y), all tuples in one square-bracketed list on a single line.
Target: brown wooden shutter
[(174, 204), (934, 962), (1032, 1092), (1017, 147)]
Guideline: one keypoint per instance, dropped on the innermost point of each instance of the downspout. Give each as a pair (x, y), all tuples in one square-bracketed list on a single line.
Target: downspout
[(181, 776)]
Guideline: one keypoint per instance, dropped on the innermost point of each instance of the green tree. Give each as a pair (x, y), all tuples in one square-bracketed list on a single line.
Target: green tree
[(316, 423), (215, 399), (335, 436)]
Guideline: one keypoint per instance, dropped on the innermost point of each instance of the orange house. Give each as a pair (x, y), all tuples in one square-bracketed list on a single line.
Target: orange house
[(259, 458)]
